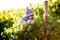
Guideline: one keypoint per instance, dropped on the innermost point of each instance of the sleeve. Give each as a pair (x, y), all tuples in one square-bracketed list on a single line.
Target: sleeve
[(28, 21), (32, 21)]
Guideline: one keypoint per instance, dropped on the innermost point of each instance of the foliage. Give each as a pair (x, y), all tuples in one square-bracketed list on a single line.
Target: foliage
[(9, 20)]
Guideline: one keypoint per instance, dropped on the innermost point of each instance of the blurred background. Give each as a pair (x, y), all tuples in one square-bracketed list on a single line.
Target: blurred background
[(11, 11)]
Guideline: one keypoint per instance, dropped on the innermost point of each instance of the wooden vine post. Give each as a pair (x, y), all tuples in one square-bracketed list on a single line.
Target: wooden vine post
[(44, 26)]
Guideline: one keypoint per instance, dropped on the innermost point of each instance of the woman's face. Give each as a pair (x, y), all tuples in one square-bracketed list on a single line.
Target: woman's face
[(31, 17)]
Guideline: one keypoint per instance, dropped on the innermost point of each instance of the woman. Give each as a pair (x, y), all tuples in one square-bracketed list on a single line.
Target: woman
[(28, 18)]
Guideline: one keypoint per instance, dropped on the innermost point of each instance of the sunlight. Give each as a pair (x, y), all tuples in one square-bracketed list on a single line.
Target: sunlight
[(13, 4)]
